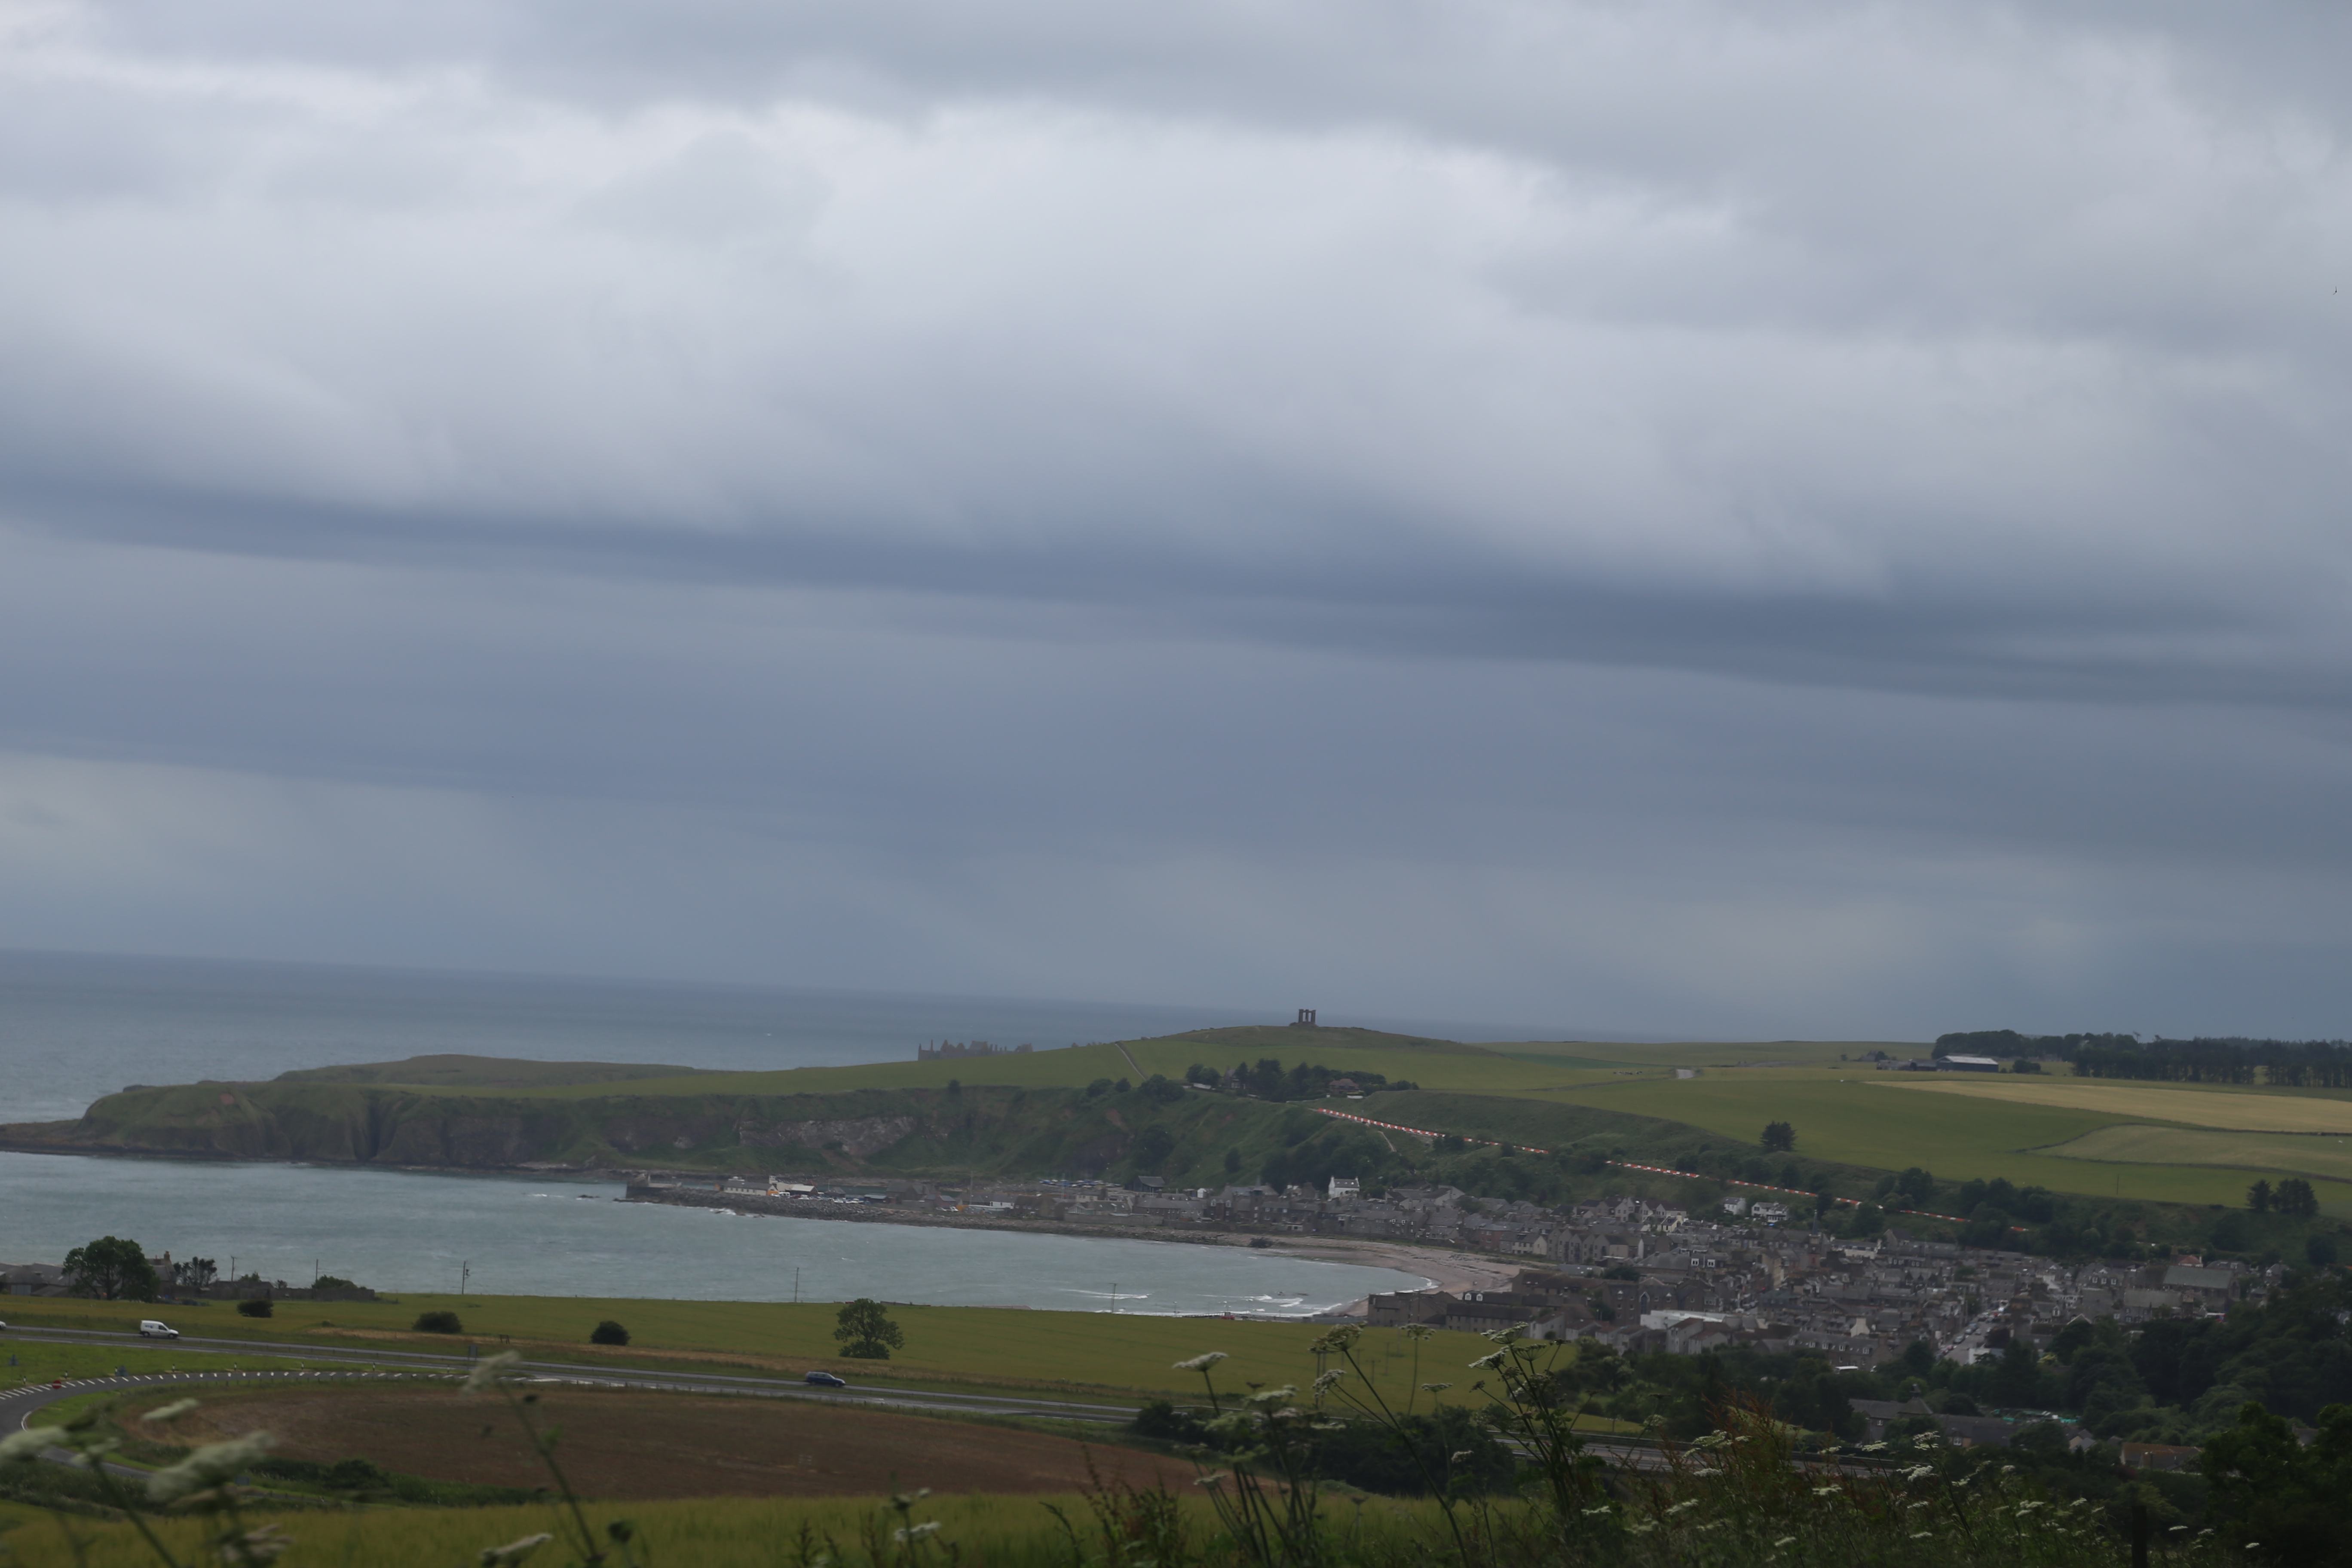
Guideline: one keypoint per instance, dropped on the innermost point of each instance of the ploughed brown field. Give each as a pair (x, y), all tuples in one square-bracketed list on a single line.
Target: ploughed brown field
[(628, 1445)]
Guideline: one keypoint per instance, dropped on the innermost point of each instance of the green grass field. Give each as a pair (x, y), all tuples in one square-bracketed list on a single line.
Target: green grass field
[(1507, 1068), (1712, 1054), (1857, 1116), (2198, 1105), (1845, 1111), (23, 1362), (2022, 1128), (1434, 1063), (1470, 1069), (2325, 1159), (958, 1347)]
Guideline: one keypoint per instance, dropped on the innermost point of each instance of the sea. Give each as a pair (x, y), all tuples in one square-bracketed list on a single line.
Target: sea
[(74, 1026)]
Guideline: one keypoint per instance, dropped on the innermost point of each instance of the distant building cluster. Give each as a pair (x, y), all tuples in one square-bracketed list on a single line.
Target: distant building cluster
[(1641, 1277), (949, 1050)]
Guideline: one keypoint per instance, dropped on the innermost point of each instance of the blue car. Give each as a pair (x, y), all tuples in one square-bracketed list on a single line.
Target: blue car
[(825, 1380)]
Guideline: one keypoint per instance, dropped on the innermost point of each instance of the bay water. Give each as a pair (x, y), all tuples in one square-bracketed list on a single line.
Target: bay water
[(73, 1027)]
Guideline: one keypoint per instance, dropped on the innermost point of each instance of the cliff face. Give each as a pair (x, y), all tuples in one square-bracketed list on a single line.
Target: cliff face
[(330, 1123), (909, 1131)]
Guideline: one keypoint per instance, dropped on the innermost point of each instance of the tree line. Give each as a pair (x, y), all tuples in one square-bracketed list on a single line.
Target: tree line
[(1266, 1080), (2223, 1059)]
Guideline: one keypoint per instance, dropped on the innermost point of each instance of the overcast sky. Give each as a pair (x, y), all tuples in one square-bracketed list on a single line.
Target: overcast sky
[(1817, 520)]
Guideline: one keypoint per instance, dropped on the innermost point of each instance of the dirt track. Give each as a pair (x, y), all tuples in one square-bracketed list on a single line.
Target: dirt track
[(631, 1445)]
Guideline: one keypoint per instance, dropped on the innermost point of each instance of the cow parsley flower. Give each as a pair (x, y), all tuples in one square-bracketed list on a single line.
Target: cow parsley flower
[(487, 1371), (208, 1467), (513, 1552)]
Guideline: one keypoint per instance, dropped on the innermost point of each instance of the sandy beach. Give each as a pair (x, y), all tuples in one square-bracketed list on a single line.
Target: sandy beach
[(1444, 1269)]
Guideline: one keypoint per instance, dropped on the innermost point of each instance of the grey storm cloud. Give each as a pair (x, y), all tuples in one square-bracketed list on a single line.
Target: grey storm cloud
[(1669, 518)]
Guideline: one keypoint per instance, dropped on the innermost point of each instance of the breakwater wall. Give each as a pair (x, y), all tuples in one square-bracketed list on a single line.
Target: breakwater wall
[(897, 1214)]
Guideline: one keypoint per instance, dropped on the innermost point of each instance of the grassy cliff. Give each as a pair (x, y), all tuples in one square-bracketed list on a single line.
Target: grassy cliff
[(1090, 1110)]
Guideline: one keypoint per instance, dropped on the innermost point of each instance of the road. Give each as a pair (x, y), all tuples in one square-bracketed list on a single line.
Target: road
[(368, 1361)]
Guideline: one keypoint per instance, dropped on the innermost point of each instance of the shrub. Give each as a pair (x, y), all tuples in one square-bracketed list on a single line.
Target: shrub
[(1161, 1420), (255, 1307), (1402, 1454), (338, 1475), (608, 1332), (443, 1322), (1152, 1148)]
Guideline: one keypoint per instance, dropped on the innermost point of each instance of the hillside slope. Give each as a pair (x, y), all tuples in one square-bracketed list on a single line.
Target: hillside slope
[(1189, 1136)]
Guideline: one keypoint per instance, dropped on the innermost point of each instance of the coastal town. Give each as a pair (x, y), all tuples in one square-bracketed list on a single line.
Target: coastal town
[(1635, 1275)]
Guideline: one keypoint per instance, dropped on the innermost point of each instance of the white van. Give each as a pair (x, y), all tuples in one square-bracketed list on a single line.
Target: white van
[(149, 1328)]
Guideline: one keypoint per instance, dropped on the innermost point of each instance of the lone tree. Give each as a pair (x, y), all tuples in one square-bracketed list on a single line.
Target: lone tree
[(2258, 1197), (112, 1269), (866, 1332), (608, 1332), (2295, 1199), (1780, 1137)]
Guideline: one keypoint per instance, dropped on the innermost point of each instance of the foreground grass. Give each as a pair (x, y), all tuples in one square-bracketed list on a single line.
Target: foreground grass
[(1754, 1491), (1710, 1507), (712, 1532)]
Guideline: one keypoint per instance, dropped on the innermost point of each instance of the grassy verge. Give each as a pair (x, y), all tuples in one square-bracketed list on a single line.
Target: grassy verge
[(32, 1362)]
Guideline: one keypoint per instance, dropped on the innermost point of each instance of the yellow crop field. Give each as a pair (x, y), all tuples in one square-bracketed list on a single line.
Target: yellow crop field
[(2154, 1102), (2303, 1154)]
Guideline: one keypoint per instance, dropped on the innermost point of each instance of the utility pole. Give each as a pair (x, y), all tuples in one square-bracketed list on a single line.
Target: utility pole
[(464, 1272), (796, 1284), (1114, 1295)]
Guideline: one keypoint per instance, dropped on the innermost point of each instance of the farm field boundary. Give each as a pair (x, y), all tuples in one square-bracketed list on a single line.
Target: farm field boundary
[(1635, 1165), (2261, 1112), (2325, 1158), (1957, 1130)]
